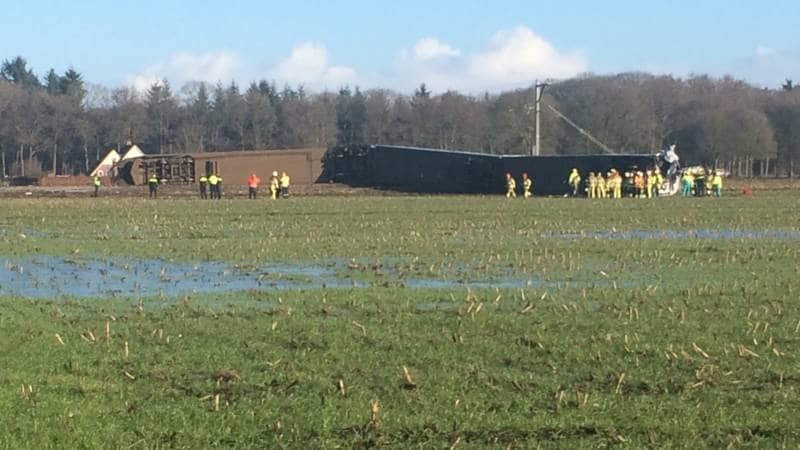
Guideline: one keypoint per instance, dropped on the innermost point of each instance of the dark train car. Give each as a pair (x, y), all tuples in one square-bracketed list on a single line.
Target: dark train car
[(410, 169)]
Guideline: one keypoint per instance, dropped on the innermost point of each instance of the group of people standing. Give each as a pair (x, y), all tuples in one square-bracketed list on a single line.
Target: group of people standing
[(702, 182), (511, 186), (632, 183), (277, 185), (210, 184)]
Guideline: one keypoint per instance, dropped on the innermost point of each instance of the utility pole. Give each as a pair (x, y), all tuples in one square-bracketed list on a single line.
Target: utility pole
[(538, 90)]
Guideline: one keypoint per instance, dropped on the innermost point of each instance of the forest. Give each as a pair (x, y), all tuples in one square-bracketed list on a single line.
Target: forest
[(60, 124)]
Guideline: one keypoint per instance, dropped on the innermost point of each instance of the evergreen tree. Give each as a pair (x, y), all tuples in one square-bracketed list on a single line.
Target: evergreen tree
[(16, 71), (351, 117)]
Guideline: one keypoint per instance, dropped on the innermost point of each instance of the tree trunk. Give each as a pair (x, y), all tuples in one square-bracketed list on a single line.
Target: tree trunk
[(86, 158), (3, 157), (55, 157), (21, 156)]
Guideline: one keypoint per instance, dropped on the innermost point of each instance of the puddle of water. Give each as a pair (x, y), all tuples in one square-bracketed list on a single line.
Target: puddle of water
[(48, 277), (55, 277), (681, 234)]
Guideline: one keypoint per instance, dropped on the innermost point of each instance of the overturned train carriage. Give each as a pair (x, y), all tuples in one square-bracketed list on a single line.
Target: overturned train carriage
[(303, 165), (423, 170)]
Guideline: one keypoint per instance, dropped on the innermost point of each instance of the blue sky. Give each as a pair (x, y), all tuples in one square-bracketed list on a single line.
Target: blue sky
[(466, 45)]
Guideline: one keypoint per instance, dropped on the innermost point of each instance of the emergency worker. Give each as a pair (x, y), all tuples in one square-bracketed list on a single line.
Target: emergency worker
[(527, 185), (96, 183), (601, 185), (687, 181), (658, 181), (617, 183), (574, 181), (213, 185), (638, 183), (203, 186), (592, 180), (152, 185), (699, 183), (284, 184), (252, 186), (716, 184), (511, 186), (274, 185)]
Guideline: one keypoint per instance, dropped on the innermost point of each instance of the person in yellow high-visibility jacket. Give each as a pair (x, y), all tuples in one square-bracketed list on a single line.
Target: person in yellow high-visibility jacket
[(274, 185), (716, 184), (511, 186), (601, 185), (658, 180), (574, 181), (617, 183), (213, 185), (527, 185), (592, 182), (649, 181), (152, 185), (96, 183), (203, 180), (284, 184)]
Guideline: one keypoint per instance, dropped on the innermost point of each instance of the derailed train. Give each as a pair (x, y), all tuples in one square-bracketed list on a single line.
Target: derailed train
[(411, 169)]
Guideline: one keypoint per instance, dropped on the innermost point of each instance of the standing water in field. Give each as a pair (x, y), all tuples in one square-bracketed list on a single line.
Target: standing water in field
[(55, 277), (49, 276)]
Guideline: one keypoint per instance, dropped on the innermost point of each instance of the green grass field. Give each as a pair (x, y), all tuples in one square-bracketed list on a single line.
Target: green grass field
[(458, 322)]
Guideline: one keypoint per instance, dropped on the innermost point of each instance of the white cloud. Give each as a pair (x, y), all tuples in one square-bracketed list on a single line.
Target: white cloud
[(308, 65), (432, 48), (182, 67), (511, 58), (519, 56)]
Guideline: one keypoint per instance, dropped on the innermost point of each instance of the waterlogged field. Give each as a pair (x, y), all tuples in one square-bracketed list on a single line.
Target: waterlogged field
[(400, 322)]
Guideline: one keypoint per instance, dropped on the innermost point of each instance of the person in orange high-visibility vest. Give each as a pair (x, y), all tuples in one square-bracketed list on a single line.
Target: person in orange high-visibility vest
[(638, 183), (252, 186)]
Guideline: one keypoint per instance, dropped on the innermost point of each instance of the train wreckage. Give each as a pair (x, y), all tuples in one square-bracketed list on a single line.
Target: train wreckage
[(423, 170), (399, 168)]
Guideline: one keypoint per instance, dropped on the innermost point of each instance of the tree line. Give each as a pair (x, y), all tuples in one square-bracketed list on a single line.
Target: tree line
[(57, 124)]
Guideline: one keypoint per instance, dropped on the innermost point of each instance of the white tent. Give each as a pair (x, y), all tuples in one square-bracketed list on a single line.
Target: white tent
[(133, 152), (103, 169)]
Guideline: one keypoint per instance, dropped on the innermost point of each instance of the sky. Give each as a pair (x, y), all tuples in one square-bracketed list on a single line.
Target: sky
[(465, 45)]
